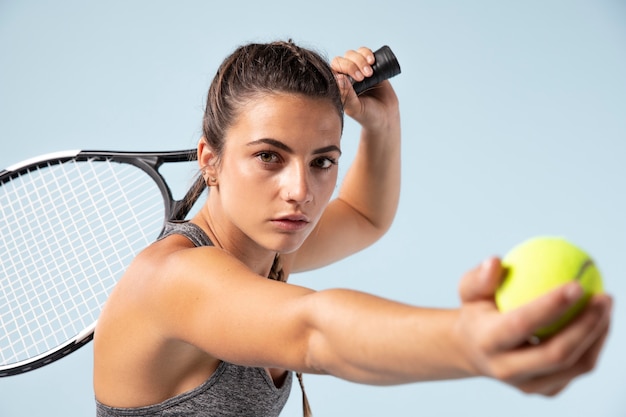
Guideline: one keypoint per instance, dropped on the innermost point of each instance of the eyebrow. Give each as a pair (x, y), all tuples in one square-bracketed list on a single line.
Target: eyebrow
[(278, 144)]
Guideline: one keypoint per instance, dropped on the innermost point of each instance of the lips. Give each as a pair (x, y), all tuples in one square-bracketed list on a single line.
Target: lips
[(295, 218), (293, 222)]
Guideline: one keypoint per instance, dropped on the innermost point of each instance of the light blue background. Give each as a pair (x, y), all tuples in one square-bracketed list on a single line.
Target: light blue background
[(514, 125)]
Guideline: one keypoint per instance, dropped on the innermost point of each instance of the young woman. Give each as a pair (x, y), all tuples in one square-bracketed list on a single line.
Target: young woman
[(195, 327)]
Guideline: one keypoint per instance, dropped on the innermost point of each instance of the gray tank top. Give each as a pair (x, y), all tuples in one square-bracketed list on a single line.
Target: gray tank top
[(231, 391)]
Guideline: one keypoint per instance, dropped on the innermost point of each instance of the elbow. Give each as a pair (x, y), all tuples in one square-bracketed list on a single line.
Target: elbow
[(380, 225), (383, 225)]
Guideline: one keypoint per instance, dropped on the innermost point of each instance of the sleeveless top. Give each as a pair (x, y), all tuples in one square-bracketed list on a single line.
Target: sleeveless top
[(232, 390)]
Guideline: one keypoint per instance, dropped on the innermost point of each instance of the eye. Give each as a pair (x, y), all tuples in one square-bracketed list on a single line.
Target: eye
[(267, 157), (324, 162)]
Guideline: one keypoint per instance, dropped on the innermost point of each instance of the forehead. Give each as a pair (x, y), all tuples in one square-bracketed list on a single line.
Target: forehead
[(287, 117)]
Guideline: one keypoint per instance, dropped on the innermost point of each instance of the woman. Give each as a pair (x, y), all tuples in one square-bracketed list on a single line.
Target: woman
[(196, 327)]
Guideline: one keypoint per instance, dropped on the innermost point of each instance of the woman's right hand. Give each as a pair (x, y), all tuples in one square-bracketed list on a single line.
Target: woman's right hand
[(498, 344), (376, 109)]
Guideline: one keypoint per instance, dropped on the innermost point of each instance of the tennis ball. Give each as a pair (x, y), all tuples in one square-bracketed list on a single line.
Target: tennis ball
[(541, 264)]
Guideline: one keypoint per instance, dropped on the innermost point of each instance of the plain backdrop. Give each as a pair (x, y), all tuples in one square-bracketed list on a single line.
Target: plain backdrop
[(514, 125)]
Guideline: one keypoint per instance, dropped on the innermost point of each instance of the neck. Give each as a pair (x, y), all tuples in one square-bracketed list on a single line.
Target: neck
[(228, 238)]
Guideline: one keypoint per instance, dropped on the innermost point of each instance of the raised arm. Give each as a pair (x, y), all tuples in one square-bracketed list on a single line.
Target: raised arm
[(368, 197)]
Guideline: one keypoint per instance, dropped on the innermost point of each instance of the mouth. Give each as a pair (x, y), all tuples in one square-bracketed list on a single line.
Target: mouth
[(291, 222)]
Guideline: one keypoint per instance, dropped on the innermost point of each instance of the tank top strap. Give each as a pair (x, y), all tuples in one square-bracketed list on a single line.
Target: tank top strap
[(191, 231)]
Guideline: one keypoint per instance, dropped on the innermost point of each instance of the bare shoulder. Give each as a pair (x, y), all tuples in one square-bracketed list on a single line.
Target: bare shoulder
[(196, 296), (165, 270), (150, 267), (143, 296), (132, 339), (134, 294)]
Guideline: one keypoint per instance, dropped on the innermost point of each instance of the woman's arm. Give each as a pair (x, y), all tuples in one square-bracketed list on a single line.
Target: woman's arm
[(389, 343), (368, 197), (246, 319)]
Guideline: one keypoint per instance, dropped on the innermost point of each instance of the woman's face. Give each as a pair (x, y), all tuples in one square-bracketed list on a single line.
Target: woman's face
[(279, 169)]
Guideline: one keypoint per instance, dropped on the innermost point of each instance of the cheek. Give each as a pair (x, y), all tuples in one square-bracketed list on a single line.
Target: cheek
[(332, 186), (245, 187), (238, 173), (326, 188)]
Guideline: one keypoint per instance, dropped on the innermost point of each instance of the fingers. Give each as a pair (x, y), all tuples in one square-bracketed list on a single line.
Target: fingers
[(552, 384), (481, 282), (520, 324), (356, 64), (571, 343), (579, 336), (549, 367), (377, 109), (497, 343)]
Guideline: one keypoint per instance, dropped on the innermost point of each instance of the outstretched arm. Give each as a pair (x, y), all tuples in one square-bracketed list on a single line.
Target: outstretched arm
[(368, 339), (389, 343)]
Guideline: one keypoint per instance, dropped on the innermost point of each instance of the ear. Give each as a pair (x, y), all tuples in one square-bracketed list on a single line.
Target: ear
[(207, 159)]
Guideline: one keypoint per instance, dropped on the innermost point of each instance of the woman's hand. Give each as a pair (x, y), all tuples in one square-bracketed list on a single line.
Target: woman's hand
[(498, 344), (377, 108)]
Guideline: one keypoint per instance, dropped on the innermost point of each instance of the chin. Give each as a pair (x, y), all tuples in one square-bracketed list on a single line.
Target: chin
[(286, 249), (287, 245)]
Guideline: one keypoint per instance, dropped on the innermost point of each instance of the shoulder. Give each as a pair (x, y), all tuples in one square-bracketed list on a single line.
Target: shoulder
[(174, 276), (156, 290), (154, 274), (169, 261)]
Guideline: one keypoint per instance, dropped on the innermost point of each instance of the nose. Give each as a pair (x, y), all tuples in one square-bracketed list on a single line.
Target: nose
[(296, 185)]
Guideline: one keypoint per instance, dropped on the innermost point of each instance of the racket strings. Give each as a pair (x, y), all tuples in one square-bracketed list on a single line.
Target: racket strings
[(67, 232)]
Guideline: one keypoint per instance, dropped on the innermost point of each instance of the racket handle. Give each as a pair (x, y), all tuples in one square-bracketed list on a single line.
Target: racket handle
[(385, 67)]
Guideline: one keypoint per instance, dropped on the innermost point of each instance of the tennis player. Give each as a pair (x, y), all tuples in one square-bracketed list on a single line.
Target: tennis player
[(204, 323)]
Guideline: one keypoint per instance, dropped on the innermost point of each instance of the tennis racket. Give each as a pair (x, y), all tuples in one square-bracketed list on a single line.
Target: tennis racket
[(385, 66), (70, 224)]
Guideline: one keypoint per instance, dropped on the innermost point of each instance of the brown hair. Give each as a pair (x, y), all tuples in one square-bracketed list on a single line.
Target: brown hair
[(258, 69)]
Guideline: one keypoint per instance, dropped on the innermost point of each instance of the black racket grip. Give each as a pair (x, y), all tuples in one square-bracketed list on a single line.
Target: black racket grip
[(385, 67)]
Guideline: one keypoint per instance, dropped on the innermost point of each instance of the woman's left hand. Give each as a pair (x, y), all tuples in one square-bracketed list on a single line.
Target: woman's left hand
[(497, 341)]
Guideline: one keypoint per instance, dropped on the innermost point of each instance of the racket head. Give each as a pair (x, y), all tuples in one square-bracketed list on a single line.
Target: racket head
[(70, 224)]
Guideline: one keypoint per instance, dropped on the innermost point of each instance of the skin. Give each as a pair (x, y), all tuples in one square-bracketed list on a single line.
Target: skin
[(180, 310)]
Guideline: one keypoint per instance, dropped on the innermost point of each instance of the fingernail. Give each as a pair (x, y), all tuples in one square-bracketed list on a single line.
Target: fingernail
[(573, 291), (358, 75), (485, 268), (367, 71)]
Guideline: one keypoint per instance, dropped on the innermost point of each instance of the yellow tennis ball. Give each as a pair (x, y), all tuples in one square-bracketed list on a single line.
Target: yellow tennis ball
[(540, 265)]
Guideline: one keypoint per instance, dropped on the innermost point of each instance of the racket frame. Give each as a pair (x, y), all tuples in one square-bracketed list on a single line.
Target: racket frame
[(149, 162)]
